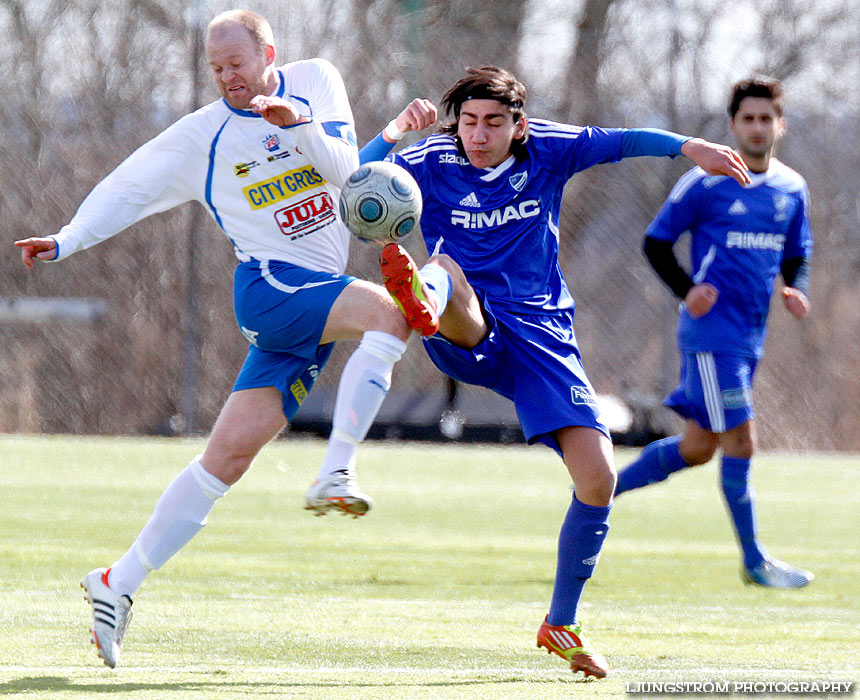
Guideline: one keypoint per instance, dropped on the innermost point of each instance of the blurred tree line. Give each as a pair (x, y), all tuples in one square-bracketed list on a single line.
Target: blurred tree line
[(87, 81)]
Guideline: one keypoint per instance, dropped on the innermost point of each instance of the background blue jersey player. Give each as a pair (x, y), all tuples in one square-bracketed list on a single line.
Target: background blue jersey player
[(494, 304), (741, 238)]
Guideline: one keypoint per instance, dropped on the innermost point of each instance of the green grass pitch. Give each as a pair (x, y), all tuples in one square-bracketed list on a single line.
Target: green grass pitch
[(436, 594)]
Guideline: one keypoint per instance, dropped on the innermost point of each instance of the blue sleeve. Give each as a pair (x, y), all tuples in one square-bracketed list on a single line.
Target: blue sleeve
[(651, 142), (375, 149), (679, 212)]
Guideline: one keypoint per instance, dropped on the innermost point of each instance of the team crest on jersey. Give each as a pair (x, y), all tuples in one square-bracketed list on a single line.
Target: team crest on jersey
[(780, 203), (272, 142), (519, 180)]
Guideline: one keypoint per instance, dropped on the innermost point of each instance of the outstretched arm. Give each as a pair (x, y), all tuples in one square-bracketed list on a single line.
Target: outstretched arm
[(716, 159)]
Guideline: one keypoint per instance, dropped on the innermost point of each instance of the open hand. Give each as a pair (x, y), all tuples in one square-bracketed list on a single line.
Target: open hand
[(716, 159)]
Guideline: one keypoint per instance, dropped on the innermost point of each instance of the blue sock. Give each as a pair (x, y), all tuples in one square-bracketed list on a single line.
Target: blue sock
[(438, 281), (579, 544), (739, 498), (655, 463)]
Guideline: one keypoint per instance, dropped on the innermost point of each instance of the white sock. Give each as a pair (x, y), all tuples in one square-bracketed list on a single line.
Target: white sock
[(438, 283), (179, 514), (364, 383)]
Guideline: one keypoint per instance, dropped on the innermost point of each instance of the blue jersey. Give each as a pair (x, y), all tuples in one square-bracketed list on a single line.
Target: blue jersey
[(501, 224), (739, 237)]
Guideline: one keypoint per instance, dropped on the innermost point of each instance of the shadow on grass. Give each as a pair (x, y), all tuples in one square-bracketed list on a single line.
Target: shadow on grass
[(60, 684)]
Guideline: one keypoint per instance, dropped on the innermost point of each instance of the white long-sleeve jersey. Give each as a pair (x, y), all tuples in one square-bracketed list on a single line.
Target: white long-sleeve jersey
[(273, 191)]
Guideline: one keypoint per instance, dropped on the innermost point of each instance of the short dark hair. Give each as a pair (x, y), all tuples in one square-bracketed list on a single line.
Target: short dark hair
[(757, 86), (485, 83)]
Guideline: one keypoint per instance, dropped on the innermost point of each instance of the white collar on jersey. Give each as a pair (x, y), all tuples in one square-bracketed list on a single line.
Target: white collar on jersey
[(499, 170)]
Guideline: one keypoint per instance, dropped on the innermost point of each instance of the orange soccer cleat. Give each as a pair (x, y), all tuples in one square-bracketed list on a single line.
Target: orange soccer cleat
[(401, 279), (567, 641)]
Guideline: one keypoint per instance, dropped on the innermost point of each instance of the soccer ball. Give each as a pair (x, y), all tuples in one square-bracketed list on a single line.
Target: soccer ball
[(380, 202)]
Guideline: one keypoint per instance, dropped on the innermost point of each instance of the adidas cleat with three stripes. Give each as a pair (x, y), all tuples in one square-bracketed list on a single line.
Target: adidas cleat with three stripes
[(568, 642), (111, 615)]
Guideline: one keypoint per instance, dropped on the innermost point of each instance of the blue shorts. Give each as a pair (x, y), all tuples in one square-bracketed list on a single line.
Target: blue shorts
[(534, 361), (282, 310), (715, 390)]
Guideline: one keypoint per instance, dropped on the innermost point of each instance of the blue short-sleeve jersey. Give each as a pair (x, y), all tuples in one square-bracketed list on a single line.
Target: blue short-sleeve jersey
[(501, 224), (739, 237)]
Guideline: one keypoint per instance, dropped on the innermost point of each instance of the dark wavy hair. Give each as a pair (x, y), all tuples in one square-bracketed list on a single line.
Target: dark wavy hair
[(486, 83), (757, 86)]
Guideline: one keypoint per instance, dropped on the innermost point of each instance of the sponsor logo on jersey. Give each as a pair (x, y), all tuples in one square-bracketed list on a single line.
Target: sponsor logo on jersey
[(582, 396), (738, 208), (272, 142), (242, 169), (297, 389), (751, 240), (470, 200), (278, 156), (519, 180), (452, 159), (497, 217), (304, 217), (737, 398), (282, 187)]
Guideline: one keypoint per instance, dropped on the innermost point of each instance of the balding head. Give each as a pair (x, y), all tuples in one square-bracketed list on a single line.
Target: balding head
[(257, 27), (241, 53)]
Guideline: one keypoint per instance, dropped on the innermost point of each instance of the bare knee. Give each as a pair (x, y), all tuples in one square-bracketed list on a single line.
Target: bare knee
[(597, 488), (694, 455)]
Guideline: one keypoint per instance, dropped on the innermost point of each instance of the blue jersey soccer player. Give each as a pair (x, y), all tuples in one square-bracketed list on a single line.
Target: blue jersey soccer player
[(741, 238), (494, 304)]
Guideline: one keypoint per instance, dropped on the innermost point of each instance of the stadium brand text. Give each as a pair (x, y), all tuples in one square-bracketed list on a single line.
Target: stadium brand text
[(755, 241), (282, 187), (487, 219)]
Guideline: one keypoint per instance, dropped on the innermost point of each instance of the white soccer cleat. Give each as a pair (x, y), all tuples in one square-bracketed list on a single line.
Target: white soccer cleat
[(111, 615), (773, 573), (338, 491)]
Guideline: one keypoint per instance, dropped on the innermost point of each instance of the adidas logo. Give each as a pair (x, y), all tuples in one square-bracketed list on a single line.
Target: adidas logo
[(591, 561), (738, 208), (470, 200)]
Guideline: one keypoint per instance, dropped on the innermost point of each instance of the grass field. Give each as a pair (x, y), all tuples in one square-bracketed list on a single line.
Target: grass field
[(436, 594)]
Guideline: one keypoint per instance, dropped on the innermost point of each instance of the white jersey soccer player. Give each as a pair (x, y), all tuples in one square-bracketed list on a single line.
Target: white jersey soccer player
[(267, 160), (273, 191)]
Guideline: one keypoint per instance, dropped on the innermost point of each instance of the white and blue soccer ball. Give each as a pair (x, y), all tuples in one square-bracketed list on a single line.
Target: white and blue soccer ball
[(380, 202)]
